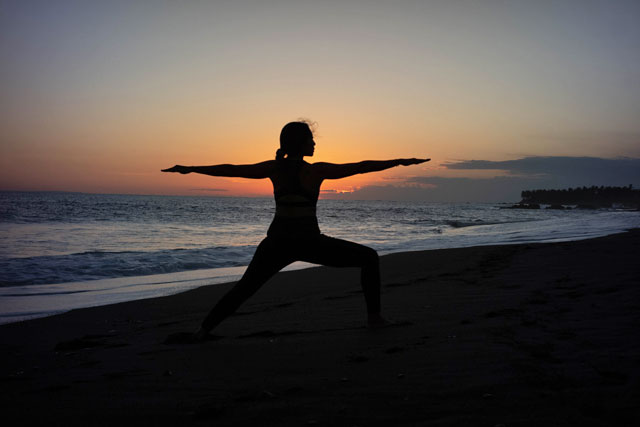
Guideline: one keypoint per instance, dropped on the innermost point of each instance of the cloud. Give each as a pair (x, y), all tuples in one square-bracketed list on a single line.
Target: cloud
[(522, 174), (571, 171), (440, 189)]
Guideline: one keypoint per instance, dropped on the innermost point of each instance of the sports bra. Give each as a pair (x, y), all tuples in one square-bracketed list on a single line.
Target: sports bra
[(289, 191), (295, 205)]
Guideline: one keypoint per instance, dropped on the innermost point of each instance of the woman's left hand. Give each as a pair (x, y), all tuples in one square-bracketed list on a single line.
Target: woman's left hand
[(409, 162)]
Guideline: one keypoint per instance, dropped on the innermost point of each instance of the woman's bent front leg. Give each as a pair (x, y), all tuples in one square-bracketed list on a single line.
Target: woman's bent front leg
[(342, 253)]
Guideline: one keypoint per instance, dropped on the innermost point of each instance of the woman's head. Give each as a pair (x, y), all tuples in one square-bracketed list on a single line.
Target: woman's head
[(296, 140)]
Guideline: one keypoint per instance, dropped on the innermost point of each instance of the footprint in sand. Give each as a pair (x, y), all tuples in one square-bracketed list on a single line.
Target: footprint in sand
[(88, 341), (188, 338)]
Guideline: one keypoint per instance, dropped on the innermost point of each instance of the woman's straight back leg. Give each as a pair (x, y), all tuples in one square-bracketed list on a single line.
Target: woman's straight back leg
[(270, 257)]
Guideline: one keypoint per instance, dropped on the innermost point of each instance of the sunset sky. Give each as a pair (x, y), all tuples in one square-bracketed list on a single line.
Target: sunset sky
[(98, 96)]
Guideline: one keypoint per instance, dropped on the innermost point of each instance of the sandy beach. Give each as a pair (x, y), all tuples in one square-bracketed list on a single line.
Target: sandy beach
[(517, 335)]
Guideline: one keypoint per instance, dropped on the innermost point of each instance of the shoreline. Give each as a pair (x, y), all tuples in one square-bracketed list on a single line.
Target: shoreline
[(529, 334), (27, 302)]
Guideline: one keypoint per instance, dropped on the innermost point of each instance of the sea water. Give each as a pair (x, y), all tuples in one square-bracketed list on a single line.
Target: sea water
[(60, 251)]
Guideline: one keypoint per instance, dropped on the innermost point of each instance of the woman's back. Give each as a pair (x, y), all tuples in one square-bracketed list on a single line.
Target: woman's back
[(296, 190), (295, 184)]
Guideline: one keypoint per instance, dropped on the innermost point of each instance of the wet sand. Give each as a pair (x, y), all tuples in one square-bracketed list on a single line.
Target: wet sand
[(518, 335)]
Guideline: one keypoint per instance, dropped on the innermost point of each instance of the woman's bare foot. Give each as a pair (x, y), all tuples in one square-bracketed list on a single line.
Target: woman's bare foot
[(377, 322), (200, 335)]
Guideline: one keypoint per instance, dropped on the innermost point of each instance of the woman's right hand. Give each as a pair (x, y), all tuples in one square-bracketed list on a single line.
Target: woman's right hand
[(178, 168)]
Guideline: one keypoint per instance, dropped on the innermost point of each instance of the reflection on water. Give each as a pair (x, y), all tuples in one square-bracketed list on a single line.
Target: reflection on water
[(60, 251), (50, 238)]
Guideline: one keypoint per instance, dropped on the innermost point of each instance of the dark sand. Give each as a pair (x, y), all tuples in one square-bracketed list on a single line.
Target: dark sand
[(522, 335)]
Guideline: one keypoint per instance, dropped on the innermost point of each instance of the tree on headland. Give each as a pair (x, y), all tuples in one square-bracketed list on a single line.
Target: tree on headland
[(585, 196)]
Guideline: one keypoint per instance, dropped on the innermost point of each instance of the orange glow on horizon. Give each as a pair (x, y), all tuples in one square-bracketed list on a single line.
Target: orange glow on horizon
[(86, 108)]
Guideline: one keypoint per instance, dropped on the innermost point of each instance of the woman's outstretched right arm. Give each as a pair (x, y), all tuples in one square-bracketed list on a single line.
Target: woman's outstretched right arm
[(337, 171), (255, 171)]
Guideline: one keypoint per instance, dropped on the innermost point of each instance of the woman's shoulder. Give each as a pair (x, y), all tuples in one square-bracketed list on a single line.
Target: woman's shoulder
[(321, 167)]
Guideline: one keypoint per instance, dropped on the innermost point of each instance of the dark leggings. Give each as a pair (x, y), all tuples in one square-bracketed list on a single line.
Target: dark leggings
[(273, 254)]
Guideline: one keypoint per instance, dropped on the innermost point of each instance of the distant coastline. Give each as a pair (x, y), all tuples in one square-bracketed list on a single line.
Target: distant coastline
[(593, 197)]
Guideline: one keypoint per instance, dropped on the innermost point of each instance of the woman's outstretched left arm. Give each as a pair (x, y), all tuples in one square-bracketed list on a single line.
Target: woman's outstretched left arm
[(337, 171), (255, 171)]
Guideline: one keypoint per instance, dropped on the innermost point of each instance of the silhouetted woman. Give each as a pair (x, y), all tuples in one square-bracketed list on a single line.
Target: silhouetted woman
[(294, 234)]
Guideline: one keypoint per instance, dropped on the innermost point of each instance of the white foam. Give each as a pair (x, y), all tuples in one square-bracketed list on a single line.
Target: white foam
[(18, 303)]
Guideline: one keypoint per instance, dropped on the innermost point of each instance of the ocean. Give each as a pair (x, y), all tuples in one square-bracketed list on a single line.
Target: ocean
[(60, 251)]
